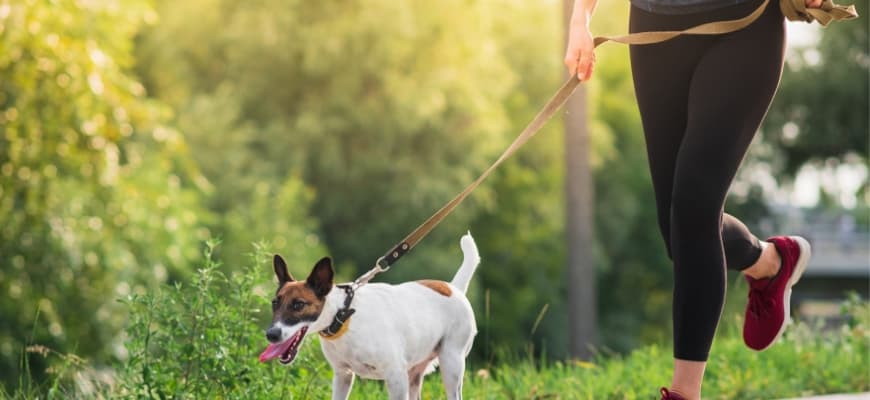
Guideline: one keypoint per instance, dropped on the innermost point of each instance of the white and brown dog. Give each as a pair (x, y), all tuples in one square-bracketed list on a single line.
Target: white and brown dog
[(398, 333)]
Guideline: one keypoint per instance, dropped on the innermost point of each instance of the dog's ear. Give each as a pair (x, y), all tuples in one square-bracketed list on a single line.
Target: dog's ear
[(320, 279), (281, 270)]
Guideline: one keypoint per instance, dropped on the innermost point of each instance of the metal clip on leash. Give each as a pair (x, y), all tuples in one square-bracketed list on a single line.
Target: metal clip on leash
[(366, 277), (383, 264)]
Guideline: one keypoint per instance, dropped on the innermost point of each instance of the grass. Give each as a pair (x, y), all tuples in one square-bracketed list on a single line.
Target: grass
[(202, 341)]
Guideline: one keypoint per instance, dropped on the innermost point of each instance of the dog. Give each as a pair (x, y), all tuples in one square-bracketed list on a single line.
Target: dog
[(397, 333)]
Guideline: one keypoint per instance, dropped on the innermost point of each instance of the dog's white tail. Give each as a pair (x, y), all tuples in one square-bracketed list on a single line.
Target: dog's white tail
[(470, 260)]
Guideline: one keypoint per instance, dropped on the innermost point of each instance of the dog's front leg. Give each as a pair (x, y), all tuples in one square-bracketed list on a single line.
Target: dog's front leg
[(397, 385), (342, 381)]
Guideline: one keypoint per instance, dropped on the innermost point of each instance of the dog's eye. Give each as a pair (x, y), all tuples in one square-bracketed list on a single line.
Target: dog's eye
[(274, 304), (297, 305)]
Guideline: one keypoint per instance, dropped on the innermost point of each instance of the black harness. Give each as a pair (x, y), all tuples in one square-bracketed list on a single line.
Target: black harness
[(342, 315)]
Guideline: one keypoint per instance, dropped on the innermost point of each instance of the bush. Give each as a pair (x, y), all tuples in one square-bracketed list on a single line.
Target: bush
[(202, 341)]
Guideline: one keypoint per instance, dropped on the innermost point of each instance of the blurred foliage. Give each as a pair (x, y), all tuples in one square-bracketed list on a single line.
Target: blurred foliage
[(386, 109), (632, 258), (98, 198), (521, 235), (820, 111)]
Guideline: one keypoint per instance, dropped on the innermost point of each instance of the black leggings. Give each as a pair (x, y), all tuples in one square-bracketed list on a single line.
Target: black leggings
[(701, 99)]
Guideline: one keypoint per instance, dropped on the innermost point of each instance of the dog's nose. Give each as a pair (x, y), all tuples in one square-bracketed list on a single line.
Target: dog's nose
[(273, 334)]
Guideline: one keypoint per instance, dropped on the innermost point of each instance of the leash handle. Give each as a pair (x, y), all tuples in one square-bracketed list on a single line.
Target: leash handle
[(550, 108), (796, 10)]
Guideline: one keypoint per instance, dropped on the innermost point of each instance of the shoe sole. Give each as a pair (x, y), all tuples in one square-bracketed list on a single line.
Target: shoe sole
[(799, 268)]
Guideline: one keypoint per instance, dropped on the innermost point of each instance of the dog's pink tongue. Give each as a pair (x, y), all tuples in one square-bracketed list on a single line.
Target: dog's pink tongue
[(274, 350)]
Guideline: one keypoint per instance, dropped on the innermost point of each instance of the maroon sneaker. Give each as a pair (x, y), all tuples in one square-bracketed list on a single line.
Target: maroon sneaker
[(767, 312), (668, 395)]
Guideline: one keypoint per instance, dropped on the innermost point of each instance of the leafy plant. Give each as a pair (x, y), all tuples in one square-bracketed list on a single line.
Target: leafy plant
[(98, 197), (201, 340)]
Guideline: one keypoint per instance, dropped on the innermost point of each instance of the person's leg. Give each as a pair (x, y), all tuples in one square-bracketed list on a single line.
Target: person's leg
[(662, 74), (745, 253), (742, 249), (731, 90)]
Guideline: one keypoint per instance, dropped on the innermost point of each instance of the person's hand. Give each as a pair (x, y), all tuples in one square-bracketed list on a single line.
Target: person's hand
[(580, 54), (813, 3)]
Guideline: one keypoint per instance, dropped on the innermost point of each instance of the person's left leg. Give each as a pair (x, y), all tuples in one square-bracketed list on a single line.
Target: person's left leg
[(731, 90), (745, 253)]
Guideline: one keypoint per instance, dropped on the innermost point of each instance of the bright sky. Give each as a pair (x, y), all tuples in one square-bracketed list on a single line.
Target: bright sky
[(802, 34), (842, 179)]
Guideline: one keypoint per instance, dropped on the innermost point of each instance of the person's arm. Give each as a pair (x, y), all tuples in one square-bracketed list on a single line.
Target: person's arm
[(580, 54)]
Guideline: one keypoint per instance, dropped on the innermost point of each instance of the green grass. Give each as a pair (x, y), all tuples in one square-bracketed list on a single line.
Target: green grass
[(202, 341)]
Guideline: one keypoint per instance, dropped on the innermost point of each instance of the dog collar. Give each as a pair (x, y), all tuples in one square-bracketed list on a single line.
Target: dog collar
[(339, 323)]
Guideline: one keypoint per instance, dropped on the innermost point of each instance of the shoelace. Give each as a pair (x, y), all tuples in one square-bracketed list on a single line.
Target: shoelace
[(759, 303)]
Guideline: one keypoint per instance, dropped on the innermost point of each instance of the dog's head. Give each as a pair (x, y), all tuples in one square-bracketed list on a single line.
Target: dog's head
[(297, 304)]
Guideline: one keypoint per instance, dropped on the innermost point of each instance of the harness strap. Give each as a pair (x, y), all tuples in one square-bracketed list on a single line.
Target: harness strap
[(337, 327)]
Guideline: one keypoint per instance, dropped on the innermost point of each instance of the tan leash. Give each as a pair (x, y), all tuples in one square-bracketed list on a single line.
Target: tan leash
[(796, 10), (713, 28)]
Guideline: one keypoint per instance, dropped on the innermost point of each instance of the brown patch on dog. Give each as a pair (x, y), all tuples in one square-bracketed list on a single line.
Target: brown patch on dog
[(439, 286), (289, 295)]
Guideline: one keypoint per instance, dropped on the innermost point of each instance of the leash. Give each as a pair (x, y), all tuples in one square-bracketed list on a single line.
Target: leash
[(384, 263), (792, 9)]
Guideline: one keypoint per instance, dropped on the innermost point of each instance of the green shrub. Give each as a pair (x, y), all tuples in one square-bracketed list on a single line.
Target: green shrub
[(202, 341)]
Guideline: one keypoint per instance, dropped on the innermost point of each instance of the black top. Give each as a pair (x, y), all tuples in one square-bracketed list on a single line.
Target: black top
[(682, 6)]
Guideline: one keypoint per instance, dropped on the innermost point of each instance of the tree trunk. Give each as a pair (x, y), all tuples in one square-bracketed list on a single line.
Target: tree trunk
[(582, 305)]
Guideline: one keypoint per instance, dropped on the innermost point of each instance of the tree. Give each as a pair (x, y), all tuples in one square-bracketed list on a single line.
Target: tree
[(820, 110), (583, 327), (98, 198)]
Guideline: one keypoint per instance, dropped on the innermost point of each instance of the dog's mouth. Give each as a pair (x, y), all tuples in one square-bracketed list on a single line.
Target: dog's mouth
[(285, 351)]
